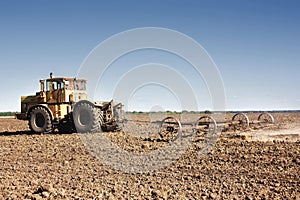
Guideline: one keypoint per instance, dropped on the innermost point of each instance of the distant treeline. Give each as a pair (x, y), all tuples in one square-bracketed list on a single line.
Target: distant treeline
[(7, 113), (170, 112), (211, 112)]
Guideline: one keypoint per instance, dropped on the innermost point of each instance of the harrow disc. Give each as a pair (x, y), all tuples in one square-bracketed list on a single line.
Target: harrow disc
[(206, 124), (265, 119), (240, 121), (170, 128)]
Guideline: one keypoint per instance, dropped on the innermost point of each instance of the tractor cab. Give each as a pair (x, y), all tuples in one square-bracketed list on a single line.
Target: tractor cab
[(63, 90)]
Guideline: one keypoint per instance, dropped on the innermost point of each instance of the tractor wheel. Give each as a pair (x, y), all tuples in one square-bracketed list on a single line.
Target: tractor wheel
[(86, 118), (40, 120)]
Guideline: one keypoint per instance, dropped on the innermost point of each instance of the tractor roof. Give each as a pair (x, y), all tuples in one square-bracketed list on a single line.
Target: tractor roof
[(65, 79)]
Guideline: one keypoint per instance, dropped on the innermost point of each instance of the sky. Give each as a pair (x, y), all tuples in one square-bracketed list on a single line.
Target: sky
[(255, 45)]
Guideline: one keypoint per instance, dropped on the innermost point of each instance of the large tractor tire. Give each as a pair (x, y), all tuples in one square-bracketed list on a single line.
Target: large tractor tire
[(87, 118), (40, 120)]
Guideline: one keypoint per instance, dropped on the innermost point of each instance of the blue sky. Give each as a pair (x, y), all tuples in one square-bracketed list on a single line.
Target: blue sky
[(255, 44)]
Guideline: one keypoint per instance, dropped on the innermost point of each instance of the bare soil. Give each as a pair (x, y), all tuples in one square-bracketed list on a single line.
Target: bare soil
[(260, 163)]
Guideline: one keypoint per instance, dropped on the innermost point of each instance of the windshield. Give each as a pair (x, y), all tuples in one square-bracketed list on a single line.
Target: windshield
[(54, 85)]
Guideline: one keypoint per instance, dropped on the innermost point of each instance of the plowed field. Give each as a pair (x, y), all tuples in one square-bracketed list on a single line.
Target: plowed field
[(261, 163)]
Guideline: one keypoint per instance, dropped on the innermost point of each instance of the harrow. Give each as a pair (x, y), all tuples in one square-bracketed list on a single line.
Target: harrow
[(172, 127)]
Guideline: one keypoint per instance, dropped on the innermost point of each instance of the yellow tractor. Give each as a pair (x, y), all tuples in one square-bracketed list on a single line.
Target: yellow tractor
[(62, 103)]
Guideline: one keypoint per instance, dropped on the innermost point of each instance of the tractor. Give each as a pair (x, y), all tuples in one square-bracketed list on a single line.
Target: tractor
[(62, 104)]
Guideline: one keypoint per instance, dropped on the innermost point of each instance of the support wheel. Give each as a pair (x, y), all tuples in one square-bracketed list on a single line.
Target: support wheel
[(86, 117), (240, 121), (206, 124), (170, 128), (40, 120), (265, 119)]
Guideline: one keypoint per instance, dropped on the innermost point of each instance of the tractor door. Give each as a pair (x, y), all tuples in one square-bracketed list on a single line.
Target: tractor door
[(55, 91), (61, 92)]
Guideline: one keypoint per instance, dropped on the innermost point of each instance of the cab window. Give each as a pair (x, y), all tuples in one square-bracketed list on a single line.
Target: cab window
[(80, 85), (54, 85)]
